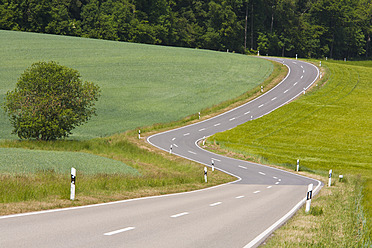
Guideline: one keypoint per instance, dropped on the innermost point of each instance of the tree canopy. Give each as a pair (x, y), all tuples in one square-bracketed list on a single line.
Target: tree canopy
[(49, 101), (309, 28)]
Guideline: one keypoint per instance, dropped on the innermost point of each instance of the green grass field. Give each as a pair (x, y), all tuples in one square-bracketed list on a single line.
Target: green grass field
[(16, 161), (329, 128), (141, 84)]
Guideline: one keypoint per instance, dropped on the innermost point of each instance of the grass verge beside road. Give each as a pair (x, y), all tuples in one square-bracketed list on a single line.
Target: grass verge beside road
[(160, 173)]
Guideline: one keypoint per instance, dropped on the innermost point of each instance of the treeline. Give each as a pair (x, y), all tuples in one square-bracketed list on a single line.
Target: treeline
[(309, 28)]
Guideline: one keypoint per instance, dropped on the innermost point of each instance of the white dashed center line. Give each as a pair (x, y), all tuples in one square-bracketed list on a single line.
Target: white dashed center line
[(175, 145), (173, 139), (119, 231), (201, 129), (261, 106), (277, 183), (261, 173), (247, 112), (303, 71), (275, 177), (269, 187), (286, 91), (302, 76), (192, 152), (238, 197), (232, 119), (215, 204), (302, 66), (217, 124), (242, 167), (256, 192), (179, 215), (216, 159), (186, 134), (295, 83), (273, 99), (279, 180)]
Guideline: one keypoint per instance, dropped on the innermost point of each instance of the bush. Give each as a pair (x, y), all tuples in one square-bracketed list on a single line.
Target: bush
[(49, 101)]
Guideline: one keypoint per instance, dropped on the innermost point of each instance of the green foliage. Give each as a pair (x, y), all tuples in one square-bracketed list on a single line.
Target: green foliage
[(309, 28), (49, 101)]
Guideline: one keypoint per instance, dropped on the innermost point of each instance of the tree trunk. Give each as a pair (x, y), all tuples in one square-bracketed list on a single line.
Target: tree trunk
[(252, 15), (245, 29)]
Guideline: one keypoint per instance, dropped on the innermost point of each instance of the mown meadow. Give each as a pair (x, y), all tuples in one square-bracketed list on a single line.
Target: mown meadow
[(328, 128)]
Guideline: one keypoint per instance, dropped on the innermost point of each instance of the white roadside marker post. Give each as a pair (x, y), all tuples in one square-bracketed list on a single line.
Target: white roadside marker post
[(320, 63), (296, 56), (212, 165), (205, 174), (139, 134), (170, 149), (261, 88), (203, 140), (298, 165), (258, 53), (73, 180), (199, 115), (309, 195), (330, 178)]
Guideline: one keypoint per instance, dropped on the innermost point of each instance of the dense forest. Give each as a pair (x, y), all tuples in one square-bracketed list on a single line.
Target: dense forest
[(309, 28)]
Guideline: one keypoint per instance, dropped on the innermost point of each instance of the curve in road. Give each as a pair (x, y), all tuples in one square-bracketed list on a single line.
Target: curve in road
[(238, 214)]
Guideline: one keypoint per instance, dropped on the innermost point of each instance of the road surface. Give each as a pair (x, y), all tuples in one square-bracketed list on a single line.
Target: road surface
[(238, 214)]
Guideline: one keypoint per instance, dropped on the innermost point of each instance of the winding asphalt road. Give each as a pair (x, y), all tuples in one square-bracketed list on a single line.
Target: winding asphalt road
[(238, 214)]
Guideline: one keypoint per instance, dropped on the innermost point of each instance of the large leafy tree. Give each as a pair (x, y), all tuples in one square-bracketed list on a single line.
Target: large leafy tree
[(49, 101)]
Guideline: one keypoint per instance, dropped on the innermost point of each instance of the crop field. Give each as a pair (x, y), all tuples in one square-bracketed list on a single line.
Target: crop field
[(329, 128), (18, 161), (141, 84)]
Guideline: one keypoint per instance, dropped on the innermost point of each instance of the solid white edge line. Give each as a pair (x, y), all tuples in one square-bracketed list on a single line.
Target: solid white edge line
[(280, 221), (119, 231)]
